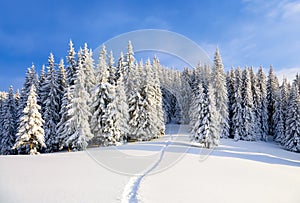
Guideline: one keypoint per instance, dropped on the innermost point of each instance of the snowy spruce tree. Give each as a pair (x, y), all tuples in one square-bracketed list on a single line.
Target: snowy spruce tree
[(88, 68), (292, 139), (206, 128), (30, 135), (72, 65), (197, 112), (272, 88), (64, 130), (79, 133), (9, 125), (220, 91), (110, 117), (263, 104), (237, 117), (160, 123), (281, 112), (52, 106), (230, 81), (102, 96), (248, 129)]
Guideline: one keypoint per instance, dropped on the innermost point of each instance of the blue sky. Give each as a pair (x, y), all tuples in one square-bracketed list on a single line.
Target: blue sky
[(246, 32)]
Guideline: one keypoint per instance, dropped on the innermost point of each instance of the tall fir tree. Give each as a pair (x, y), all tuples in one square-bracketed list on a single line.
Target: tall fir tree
[(30, 135), (72, 66), (263, 104), (292, 139), (272, 88), (231, 99), (248, 129), (103, 96), (207, 126), (158, 98), (79, 133), (237, 106), (9, 124), (52, 106), (220, 91)]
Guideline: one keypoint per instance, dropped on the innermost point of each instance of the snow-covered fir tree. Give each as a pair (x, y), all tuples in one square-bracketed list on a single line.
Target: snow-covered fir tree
[(79, 133), (206, 128), (282, 105), (279, 131), (30, 79), (72, 66), (292, 139), (272, 88), (52, 106), (3, 96), (185, 95), (64, 130), (263, 104), (111, 69), (30, 135), (9, 125), (220, 91), (61, 80), (197, 112), (88, 68), (237, 118), (230, 80), (121, 114), (160, 123), (256, 97), (147, 116), (248, 128)]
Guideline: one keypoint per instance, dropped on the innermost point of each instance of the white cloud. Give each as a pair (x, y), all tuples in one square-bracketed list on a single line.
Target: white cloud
[(288, 73)]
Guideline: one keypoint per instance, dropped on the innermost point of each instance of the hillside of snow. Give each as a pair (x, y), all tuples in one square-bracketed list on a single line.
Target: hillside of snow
[(170, 169)]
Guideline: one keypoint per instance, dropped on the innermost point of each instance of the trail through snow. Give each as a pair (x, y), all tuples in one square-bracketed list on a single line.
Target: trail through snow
[(130, 193)]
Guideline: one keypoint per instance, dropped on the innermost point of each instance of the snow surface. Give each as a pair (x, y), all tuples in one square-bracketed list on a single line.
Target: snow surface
[(168, 170)]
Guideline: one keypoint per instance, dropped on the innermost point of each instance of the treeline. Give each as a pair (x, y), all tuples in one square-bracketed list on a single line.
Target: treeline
[(80, 103), (83, 103), (244, 105)]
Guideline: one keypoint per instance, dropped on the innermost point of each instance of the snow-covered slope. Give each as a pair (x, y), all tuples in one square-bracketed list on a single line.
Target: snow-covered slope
[(167, 170)]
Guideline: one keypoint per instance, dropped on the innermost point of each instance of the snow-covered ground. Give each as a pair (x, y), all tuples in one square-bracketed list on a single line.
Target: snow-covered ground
[(166, 170)]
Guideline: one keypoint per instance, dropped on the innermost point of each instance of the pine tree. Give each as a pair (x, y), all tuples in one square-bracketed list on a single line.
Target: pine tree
[(272, 88), (40, 90), (147, 128), (292, 139), (278, 118), (207, 126), (72, 66), (220, 91), (111, 69), (3, 96), (283, 98), (237, 106), (64, 130), (52, 106), (197, 112), (61, 80), (263, 104), (231, 99), (102, 97), (79, 133), (247, 108), (30, 135), (29, 81), (88, 69), (160, 123), (185, 95), (9, 123)]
